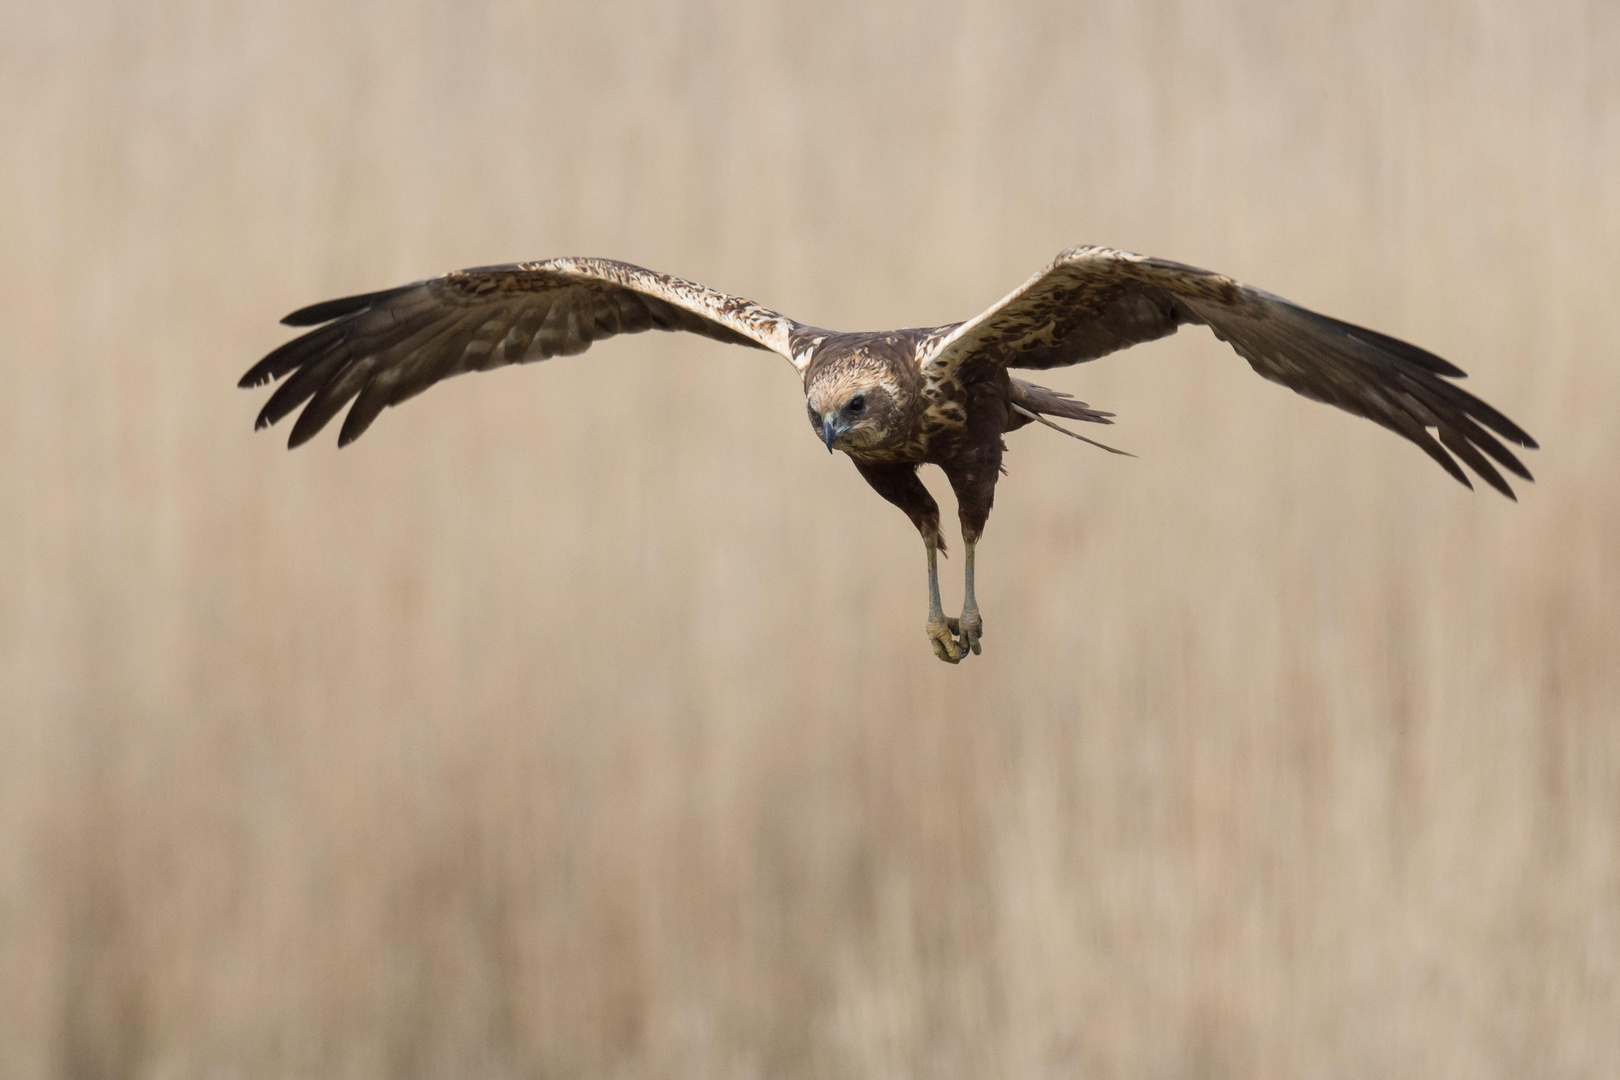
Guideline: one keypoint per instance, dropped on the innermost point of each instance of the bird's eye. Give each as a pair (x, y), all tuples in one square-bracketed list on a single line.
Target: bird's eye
[(857, 403)]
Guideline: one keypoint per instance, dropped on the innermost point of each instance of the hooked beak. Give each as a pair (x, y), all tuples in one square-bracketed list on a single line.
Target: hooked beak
[(830, 431)]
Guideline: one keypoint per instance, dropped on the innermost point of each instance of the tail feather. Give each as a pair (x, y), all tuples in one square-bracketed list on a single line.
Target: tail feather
[(1039, 399), (1071, 434)]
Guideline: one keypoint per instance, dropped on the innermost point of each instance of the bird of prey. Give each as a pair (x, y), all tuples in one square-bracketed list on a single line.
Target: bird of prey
[(891, 400)]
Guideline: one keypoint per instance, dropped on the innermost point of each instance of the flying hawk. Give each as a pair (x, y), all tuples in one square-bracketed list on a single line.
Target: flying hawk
[(891, 400)]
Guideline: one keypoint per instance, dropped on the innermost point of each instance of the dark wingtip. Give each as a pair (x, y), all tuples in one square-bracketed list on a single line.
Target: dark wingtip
[(1423, 358), (1496, 481), (1500, 483), (264, 371), (1504, 427), (327, 310), (1446, 461)]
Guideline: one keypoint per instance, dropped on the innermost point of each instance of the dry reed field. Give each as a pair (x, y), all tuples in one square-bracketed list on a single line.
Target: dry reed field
[(579, 721)]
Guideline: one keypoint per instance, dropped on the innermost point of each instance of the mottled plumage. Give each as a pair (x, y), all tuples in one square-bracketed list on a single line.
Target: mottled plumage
[(891, 400)]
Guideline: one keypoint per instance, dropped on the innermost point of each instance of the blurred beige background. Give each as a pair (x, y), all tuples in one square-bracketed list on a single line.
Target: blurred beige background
[(579, 720)]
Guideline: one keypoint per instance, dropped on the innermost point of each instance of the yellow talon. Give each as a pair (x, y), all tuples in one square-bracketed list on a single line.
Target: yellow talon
[(943, 639)]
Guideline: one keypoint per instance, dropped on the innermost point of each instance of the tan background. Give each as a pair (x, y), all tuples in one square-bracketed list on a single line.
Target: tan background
[(579, 721)]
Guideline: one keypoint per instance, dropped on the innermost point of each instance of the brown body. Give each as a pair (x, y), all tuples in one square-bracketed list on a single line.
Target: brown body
[(894, 400), (955, 422)]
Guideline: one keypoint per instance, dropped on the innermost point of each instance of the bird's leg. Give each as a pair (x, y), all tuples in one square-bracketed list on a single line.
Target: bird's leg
[(899, 484), (973, 478), (941, 631), (970, 627)]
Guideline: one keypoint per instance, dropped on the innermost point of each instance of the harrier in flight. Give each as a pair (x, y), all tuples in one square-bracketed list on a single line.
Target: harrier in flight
[(892, 400)]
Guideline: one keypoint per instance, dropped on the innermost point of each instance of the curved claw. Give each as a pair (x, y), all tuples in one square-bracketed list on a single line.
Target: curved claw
[(942, 636), (970, 628)]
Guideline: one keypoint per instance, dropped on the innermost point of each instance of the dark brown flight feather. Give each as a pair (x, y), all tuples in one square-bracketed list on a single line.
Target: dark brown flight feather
[(1092, 301), (378, 349)]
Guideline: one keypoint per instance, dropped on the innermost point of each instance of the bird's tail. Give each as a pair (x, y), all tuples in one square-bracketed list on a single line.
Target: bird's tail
[(1038, 402), (1038, 399)]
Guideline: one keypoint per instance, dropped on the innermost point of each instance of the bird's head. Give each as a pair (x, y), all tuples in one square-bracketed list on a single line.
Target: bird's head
[(853, 406)]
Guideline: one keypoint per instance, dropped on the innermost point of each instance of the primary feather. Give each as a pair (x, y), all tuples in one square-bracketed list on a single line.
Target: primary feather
[(378, 349)]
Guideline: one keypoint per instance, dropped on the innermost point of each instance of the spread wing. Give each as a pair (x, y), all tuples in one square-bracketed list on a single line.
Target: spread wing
[(1092, 301), (380, 348)]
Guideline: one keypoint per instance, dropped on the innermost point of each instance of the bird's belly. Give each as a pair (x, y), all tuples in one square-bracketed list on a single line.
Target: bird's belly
[(926, 445), (943, 428)]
